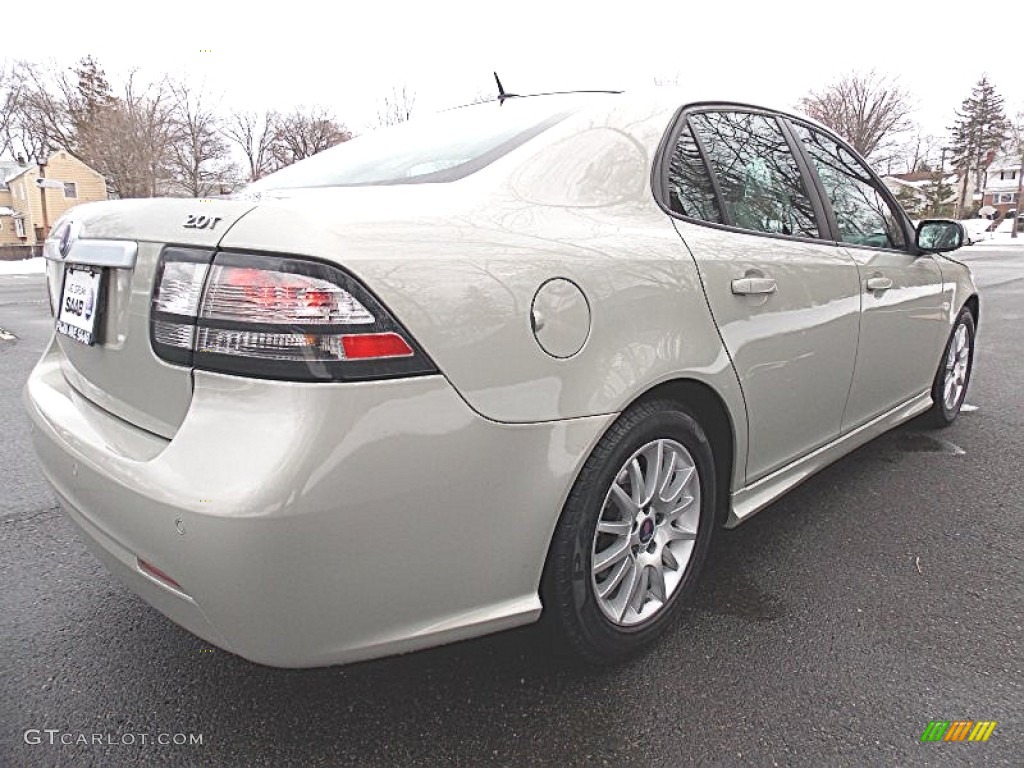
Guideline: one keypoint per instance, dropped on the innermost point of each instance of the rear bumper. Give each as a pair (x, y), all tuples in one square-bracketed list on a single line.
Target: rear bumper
[(312, 524)]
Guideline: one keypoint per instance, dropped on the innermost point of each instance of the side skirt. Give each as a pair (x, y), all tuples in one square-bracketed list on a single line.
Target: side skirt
[(753, 498)]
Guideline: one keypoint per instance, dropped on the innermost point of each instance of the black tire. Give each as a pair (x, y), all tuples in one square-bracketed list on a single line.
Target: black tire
[(571, 608), (941, 413)]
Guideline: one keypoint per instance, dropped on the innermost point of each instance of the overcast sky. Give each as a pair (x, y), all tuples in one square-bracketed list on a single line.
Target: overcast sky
[(348, 55)]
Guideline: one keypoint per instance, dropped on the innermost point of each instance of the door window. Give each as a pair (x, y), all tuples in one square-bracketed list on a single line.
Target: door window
[(760, 183), (690, 191), (862, 213)]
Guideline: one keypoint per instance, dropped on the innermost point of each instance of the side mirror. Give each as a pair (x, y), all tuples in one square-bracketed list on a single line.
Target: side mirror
[(934, 235)]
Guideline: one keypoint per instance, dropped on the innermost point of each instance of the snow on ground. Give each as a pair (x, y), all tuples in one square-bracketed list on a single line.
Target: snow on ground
[(36, 266), (1001, 240)]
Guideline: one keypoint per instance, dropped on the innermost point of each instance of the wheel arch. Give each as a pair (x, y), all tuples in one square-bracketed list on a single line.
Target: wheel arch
[(973, 305), (709, 408)]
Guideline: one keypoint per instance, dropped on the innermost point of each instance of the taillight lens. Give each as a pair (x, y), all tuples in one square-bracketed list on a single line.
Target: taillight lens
[(275, 317)]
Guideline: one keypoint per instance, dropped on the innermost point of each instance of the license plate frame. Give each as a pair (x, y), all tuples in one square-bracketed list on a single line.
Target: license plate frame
[(81, 303)]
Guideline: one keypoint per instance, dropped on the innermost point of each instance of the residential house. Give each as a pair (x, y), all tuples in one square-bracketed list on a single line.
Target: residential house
[(27, 211), (1002, 178)]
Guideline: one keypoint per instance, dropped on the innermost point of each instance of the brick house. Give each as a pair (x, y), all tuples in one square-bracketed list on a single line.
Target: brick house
[(1002, 178), (23, 220)]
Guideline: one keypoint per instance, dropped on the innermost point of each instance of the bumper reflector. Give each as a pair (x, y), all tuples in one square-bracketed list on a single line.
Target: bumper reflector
[(156, 573), (370, 346)]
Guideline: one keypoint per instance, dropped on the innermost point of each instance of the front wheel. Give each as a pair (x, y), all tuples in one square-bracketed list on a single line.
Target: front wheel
[(950, 386), (633, 535)]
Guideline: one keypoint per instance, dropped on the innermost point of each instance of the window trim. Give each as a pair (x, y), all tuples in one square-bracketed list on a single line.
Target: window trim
[(909, 233), (828, 229), (698, 142), (65, 190), (659, 175)]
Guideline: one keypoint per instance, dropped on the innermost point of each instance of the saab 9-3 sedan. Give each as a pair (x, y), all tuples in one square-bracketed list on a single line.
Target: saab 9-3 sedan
[(514, 360)]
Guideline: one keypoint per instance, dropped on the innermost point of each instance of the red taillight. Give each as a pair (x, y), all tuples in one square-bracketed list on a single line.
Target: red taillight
[(369, 346), (157, 574), (276, 317)]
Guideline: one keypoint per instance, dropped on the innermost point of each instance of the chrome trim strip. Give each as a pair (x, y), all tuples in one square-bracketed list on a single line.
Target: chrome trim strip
[(117, 254), (747, 501)]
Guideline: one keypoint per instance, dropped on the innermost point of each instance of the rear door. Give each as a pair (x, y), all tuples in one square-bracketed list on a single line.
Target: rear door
[(785, 299), (903, 324)]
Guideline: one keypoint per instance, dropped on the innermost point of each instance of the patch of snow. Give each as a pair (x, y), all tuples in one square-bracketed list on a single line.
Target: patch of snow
[(1002, 240), (34, 266)]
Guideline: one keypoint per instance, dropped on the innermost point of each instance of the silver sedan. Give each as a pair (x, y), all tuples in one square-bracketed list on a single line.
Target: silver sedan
[(513, 360)]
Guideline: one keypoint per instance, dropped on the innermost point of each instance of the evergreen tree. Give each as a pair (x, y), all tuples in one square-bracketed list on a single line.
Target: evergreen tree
[(909, 201), (980, 128), (937, 191)]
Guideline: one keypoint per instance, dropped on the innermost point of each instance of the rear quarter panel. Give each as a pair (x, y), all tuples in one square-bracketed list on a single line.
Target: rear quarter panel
[(459, 264)]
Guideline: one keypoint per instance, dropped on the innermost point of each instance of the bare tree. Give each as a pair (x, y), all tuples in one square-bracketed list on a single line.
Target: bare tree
[(253, 132), (126, 137), (918, 153), (8, 101), (397, 106), (39, 116), (133, 142), (199, 158), (1015, 148), (301, 134), (869, 110)]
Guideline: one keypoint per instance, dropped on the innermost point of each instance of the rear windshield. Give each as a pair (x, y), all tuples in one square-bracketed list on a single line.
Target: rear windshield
[(440, 148)]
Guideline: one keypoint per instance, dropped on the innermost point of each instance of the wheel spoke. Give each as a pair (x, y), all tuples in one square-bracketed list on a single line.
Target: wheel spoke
[(625, 502), (608, 586), (657, 581), (615, 527), (653, 479), (666, 475), (681, 506), (669, 559), (620, 604), (611, 555), (679, 534), (683, 477), (639, 595), (636, 481)]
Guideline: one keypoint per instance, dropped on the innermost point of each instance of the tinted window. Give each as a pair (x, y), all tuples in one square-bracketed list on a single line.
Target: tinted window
[(440, 148), (863, 215), (689, 186), (760, 182)]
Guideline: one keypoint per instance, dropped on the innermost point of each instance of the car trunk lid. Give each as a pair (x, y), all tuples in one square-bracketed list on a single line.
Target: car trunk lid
[(123, 240)]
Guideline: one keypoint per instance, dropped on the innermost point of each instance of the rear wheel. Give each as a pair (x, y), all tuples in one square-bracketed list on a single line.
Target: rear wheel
[(633, 535), (950, 386)]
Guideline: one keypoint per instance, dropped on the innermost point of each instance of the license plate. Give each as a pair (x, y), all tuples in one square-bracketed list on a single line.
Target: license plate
[(80, 304)]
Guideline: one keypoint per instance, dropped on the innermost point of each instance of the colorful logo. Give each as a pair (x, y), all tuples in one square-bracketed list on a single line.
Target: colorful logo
[(958, 730)]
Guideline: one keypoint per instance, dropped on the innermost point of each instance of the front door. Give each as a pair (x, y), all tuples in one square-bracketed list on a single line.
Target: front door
[(902, 320)]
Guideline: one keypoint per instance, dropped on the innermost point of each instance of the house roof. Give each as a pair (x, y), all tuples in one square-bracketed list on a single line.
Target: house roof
[(1005, 163), (9, 169), (915, 176), (918, 179)]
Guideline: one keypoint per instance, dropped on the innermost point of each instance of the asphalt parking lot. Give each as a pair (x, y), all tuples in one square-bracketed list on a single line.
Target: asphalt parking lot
[(886, 592)]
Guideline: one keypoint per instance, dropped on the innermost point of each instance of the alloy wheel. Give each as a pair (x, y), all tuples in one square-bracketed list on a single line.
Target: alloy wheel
[(646, 532), (957, 362)]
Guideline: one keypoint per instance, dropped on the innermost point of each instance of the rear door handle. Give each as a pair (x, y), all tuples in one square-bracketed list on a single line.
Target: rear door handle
[(879, 283), (751, 285)]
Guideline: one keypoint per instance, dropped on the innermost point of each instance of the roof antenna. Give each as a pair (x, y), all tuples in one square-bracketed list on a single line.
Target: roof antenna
[(501, 90)]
